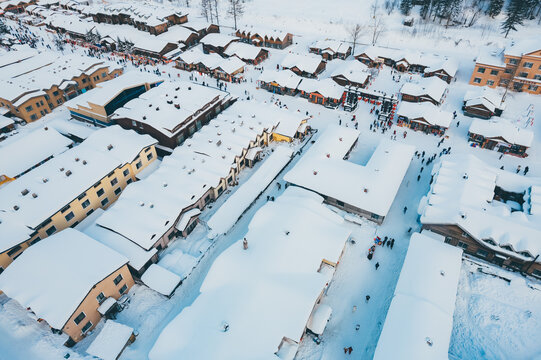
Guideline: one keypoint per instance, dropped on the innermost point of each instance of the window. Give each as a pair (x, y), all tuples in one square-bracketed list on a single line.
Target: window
[(79, 318), (85, 204), (42, 113), (100, 298), (477, 80), (537, 77), (508, 71), (339, 203), (490, 82), (50, 230), (515, 265), (69, 216), (207, 199), (118, 191), (29, 108), (220, 190), (536, 273), (134, 123), (123, 289), (100, 192), (481, 70), (114, 182), (33, 117), (528, 65), (55, 93), (103, 75), (89, 212), (104, 202), (523, 74), (489, 241), (118, 279), (532, 87), (494, 72), (171, 235), (1, 269), (87, 326), (129, 181), (59, 101), (463, 245), (481, 253), (149, 157), (126, 172), (448, 240), (84, 81), (513, 61), (35, 240), (14, 250), (138, 165)]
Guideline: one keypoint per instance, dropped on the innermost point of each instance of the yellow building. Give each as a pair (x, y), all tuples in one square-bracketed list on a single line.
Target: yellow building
[(519, 64), (32, 84), (66, 189), (69, 281)]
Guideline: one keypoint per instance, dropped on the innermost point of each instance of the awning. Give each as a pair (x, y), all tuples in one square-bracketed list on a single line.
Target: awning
[(106, 305), (185, 218), (252, 153), (319, 319)]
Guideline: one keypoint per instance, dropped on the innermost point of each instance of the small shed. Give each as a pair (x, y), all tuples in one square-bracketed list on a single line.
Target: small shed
[(161, 280), (111, 341)]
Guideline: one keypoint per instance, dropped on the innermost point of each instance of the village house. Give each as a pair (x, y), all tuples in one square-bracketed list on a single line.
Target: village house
[(50, 282), (152, 212), (303, 65), (492, 214), (202, 28), (500, 135), (33, 85), (517, 67), (32, 149), (325, 92), (353, 73), (425, 117), (368, 190), (248, 279), (280, 82), (226, 69), (423, 302), (264, 37), (16, 6), (445, 70), (6, 125), (98, 105), (217, 43), (432, 90), (483, 104), (331, 49), (172, 112), (66, 189), (247, 53)]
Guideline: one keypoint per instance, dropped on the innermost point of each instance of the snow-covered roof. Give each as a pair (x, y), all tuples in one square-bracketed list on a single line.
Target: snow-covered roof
[(491, 57), (433, 87), (523, 47), (20, 153), (334, 46), (305, 63), (264, 293), (284, 78), (228, 214), (263, 32), (107, 90), (212, 61), (243, 51), (371, 187), (43, 277), (502, 128), (431, 113), (463, 194), (169, 107), (148, 208), (318, 320), (491, 98), (450, 66), (71, 127), (111, 340), (353, 70), (56, 183), (218, 39), (423, 303), (326, 87), (160, 279)]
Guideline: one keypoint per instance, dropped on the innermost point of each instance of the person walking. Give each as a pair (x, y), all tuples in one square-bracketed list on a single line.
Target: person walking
[(392, 244), (418, 177), (377, 265), (526, 169), (405, 209), (367, 298)]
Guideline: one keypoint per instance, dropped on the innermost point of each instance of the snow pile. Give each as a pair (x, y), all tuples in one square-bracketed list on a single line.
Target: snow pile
[(43, 277), (228, 214), (160, 279), (251, 300), (423, 302), (110, 341), (371, 188)]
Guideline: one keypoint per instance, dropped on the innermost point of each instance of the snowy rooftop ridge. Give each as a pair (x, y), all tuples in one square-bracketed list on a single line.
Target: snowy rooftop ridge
[(433, 87), (264, 293), (372, 187), (423, 302), (503, 128), (463, 193), (43, 279)]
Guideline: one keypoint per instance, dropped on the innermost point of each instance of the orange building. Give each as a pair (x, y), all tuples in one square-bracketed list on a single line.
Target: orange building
[(519, 64)]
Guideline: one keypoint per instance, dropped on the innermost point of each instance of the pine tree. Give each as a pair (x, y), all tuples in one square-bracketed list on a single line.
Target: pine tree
[(4, 29), (515, 15), (405, 7), (494, 8), (425, 6)]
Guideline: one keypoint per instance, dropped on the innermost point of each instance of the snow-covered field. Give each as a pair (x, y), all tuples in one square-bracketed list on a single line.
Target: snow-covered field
[(494, 318)]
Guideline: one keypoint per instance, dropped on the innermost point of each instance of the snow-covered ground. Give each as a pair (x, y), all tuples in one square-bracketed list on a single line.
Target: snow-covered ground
[(494, 319)]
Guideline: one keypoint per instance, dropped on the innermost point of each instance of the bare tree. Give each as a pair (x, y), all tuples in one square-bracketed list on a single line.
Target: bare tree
[(377, 25), (216, 11), (354, 33), (205, 10), (236, 9)]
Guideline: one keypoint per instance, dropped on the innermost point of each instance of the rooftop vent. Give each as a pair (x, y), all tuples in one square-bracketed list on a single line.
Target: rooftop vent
[(68, 173), (219, 143), (144, 117), (164, 185), (465, 176), (149, 105), (192, 197), (25, 192), (45, 180), (158, 108), (429, 341), (340, 139), (34, 195), (141, 204), (15, 207), (463, 215), (77, 159), (170, 102), (110, 147), (151, 206), (442, 273), (177, 106), (189, 87), (177, 88), (315, 172), (62, 169), (175, 96), (84, 162)]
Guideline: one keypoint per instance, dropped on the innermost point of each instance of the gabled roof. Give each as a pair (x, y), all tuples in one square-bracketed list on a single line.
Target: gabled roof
[(427, 111), (432, 87), (305, 63), (502, 128)]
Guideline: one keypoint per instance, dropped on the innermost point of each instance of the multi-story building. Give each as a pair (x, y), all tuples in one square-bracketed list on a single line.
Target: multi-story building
[(32, 85), (66, 189), (517, 67), (69, 280)]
